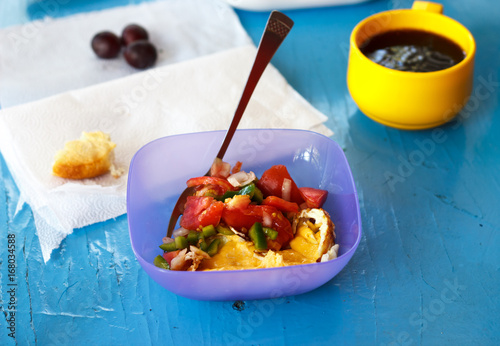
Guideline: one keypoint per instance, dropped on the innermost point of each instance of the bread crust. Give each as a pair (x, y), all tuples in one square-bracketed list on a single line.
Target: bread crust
[(88, 157)]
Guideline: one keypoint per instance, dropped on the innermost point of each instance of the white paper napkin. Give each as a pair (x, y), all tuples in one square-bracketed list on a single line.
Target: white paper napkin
[(194, 95)]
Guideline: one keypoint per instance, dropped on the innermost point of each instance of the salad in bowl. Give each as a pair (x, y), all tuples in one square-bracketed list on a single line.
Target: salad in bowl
[(158, 174), (236, 221)]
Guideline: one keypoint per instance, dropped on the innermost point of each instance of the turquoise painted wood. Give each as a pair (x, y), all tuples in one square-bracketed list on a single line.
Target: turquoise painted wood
[(427, 269)]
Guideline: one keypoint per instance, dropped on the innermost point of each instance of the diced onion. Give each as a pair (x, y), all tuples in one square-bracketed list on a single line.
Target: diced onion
[(180, 231), (241, 178), (167, 240), (220, 169), (240, 234), (267, 220), (286, 189), (179, 261)]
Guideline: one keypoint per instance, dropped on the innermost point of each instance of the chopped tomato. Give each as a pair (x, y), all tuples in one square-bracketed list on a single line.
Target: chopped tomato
[(211, 215), (279, 223), (200, 212), (169, 256), (237, 167), (281, 204), (271, 184), (242, 216), (238, 215), (240, 219), (210, 180), (314, 197)]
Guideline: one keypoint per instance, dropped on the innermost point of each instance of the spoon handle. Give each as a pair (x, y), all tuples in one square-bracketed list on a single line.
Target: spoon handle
[(277, 28)]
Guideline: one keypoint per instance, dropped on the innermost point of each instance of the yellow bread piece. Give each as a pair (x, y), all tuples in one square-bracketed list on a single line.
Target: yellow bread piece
[(87, 157)]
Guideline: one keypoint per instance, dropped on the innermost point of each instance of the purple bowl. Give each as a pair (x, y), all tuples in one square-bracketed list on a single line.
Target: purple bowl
[(158, 174)]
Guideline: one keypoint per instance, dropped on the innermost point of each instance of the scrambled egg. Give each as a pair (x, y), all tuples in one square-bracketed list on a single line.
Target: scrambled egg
[(314, 235), (314, 241)]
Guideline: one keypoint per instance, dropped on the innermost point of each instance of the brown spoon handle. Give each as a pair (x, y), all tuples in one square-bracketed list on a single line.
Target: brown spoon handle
[(277, 28)]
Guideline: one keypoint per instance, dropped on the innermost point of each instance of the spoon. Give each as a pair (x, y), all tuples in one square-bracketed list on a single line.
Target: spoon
[(277, 28)]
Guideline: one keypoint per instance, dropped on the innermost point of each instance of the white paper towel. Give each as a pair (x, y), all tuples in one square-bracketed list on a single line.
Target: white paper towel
[(194, 95)]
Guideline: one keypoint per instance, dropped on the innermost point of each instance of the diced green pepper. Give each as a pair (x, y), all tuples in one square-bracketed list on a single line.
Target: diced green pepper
[(250, 190), (181, 242), (213, 248), (257, 235), (270, 233), (247, 190), (257, 196), (168, 246), (228, 194), (160, 262), (203, 245), (193, 237), (224, 230), (208, 231)]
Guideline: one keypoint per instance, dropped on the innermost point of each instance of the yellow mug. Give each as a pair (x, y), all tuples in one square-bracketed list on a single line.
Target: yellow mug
[(410, 100)]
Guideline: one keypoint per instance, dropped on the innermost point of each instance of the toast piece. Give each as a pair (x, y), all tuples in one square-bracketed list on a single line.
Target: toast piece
[(87, 157)]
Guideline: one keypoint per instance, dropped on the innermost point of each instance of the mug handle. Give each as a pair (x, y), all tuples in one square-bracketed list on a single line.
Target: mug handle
[(427, 6)]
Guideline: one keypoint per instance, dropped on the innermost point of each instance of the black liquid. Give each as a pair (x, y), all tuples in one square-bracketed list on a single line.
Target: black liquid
[(412, 50)]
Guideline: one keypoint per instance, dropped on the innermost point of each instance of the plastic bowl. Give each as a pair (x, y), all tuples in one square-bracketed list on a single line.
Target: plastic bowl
[(158, 174)]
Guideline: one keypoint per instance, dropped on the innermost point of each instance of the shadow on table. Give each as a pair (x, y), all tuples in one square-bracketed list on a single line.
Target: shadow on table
[(402, 156)]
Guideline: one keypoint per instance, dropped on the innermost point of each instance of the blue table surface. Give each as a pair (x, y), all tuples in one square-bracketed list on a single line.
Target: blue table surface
[(426, 270)]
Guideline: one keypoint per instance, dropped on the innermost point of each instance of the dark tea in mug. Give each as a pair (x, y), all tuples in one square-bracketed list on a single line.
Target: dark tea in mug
[(412, 50)]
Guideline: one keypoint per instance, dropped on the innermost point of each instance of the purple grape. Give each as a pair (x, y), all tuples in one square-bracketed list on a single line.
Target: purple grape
[(132, 33), (141, 54), (106, 45)]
